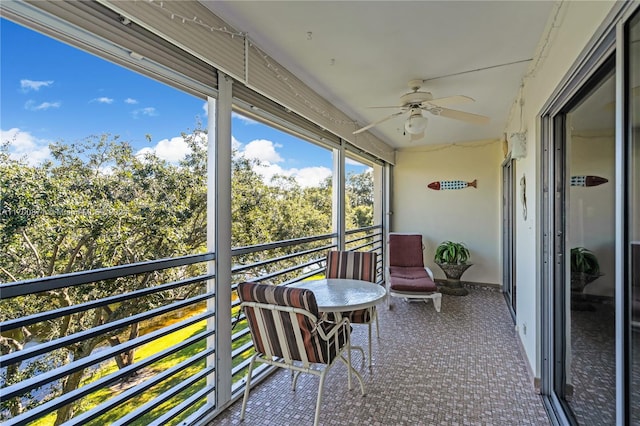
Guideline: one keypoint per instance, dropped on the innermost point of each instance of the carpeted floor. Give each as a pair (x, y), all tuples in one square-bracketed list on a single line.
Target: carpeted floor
[(461, 366)]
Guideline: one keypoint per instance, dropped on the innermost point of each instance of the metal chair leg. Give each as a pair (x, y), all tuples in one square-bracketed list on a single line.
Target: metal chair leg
[(369, 344), (247, 387)]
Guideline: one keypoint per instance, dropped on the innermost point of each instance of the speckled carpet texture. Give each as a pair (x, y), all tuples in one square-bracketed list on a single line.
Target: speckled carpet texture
[(461, 366)]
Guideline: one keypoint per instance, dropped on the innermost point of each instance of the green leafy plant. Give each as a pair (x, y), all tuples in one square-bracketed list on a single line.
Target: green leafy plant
[(584, 261), (451, 253)]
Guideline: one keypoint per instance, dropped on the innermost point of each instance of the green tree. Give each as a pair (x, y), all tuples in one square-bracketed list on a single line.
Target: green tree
[(359, 199), (96, 204)]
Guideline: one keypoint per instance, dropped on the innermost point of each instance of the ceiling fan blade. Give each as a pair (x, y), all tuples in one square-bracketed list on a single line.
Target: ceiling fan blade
[(450, 100), (460, 115), (375, 123), (378, 107)]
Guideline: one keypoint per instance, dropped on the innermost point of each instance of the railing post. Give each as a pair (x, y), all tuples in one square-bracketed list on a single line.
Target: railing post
[(338, 204)]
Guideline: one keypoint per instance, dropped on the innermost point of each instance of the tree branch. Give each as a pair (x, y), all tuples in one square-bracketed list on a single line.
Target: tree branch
[(32, 248), (75, 252), (8, 274), (54, 256)]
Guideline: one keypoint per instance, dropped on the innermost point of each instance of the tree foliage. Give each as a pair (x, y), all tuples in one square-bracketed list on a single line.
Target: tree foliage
[(97, 204)]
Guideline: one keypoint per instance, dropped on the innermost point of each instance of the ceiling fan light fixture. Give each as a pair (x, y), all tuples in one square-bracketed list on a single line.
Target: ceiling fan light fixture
[(416, 124)]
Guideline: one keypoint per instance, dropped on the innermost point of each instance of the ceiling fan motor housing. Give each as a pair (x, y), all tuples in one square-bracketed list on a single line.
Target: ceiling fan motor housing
[(415, 98)]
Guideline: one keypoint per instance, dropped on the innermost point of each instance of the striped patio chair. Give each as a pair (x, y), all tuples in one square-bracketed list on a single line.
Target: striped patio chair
[(287, 333), (357, 265)]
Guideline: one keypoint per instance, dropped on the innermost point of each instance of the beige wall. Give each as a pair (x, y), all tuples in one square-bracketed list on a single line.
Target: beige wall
[(469, 215), (575, 24)]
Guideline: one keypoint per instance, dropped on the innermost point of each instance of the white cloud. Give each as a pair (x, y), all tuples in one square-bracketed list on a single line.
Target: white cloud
[(266, 151), (130, 101), (263, 150), (235, 143), (24, 145), (27, 85), (148, 111), (171, 150), (32, 106), (311, 176), (103, 100), (352, 162), (307, 176)]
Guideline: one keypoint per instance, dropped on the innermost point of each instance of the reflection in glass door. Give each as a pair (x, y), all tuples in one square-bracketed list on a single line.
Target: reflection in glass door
[(585, 284), (591, 236), (633, 212)]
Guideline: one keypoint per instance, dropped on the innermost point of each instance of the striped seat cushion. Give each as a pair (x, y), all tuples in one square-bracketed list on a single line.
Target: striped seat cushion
[(361, 316), (355, 265), (311, 348)]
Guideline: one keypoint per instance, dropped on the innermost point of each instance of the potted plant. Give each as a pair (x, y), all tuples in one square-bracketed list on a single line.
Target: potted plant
[(584, 268), (452, 258)]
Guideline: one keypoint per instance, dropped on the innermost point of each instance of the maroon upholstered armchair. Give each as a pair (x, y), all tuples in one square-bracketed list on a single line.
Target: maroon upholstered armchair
[(407, 277)]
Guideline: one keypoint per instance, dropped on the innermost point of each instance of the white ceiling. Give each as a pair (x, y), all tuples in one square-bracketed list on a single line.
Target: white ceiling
[(363, 53)]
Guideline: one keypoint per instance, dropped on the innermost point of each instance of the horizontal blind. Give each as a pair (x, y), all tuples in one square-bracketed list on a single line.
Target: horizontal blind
[(194, 28), (101, 31), (259, 106), (187, 38)]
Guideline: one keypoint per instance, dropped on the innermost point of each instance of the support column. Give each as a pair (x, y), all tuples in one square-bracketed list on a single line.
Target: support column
[(219, 232), (338, 204)]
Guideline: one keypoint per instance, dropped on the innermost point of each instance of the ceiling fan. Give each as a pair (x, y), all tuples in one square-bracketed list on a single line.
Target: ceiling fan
[(416, 101)]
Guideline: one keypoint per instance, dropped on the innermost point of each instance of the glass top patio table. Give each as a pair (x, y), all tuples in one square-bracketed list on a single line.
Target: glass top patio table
[(339, 294)]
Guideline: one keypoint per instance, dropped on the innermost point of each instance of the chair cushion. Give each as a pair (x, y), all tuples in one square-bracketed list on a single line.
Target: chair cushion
[(409, 272), (316, 350), (357, 265), (360, 316), (419, 285), (405, 250), (278, 295)]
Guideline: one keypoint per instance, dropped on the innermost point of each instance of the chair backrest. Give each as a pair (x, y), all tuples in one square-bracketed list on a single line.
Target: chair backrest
[(405, 250), (280, 331), (356, 265)]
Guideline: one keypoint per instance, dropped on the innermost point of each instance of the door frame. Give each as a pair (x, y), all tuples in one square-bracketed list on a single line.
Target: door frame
[(508, 234), (609, 40)]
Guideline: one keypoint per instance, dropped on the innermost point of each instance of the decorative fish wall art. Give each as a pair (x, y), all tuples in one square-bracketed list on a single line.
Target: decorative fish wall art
[(452, 184), (588, 180)]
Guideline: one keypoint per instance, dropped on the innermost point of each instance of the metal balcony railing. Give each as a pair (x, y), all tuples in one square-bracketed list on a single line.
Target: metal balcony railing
[(174, 374), (169, 377), (290, 261)]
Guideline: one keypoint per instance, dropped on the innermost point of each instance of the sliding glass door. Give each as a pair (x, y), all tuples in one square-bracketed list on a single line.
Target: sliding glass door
[(585, 284), (591, 237), (632, 90), (508, 233)]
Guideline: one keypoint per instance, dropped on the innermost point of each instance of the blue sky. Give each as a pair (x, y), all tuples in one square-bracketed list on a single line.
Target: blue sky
[(51, 91)]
